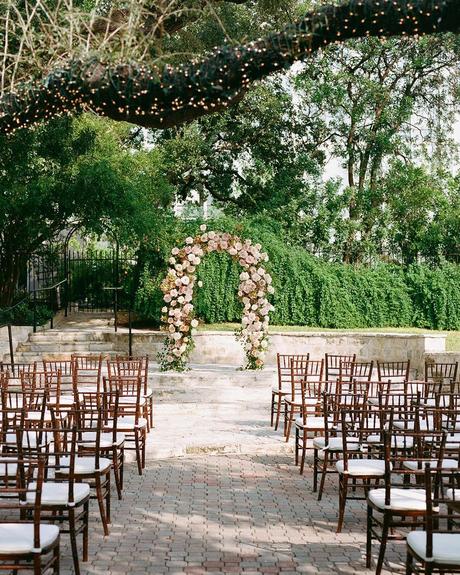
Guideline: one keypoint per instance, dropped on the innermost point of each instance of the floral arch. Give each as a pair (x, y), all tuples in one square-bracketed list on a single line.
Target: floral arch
[(178, 315)]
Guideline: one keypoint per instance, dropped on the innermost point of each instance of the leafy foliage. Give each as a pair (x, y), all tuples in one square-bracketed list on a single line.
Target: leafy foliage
[(315, 293)]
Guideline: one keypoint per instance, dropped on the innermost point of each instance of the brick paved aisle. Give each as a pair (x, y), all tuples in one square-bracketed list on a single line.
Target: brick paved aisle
[(227, 514)]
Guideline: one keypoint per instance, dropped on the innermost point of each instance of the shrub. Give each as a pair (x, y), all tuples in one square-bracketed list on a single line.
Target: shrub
[(309, 291)]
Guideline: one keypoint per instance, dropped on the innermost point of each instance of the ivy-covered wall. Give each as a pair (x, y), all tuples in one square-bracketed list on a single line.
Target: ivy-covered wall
[(311, 292)]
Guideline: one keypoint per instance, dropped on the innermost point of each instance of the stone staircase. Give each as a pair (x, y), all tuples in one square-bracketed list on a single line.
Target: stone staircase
[(87, 335)]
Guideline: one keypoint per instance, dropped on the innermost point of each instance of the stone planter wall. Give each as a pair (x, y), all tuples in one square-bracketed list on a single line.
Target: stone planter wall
[(222, 348)]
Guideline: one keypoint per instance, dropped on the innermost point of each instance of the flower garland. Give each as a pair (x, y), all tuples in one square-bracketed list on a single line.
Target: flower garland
[(177, 287)]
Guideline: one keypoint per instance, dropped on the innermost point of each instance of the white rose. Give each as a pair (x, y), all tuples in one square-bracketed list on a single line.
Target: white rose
[(172, 261), (194, 323), (203, 227), (185, 280)]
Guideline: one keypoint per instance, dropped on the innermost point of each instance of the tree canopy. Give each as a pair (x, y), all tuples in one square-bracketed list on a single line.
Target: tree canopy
[(142, 90)]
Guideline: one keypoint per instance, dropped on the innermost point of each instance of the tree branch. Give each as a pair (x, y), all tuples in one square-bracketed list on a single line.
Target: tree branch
[(162, 98)]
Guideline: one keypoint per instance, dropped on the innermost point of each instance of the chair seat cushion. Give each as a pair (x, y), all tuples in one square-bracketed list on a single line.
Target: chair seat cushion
[(282, 391), (131, 400), (398, 441), (446, 546), (420, 465), (400, 499), (453, 495), (84, 465), (18, 538), (334, 444), (58, 493), (310, 423), (30, 439), (128, 423), (88, 439), (362, 467)]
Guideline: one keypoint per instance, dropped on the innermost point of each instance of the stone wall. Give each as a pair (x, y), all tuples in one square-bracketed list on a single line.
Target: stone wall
[(20, 334), (222, 348)]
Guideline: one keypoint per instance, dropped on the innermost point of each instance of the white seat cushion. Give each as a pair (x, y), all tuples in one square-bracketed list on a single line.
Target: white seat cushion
[(398, 441), (29, 439), (18, 538), (363, 467), (446, 546), (453, 495), (311, 423), (400, 499), (420, 466), (88, 439), (58, 493), (334, 444), (131, 400), (128, 423), (283, 390), (84, 465)]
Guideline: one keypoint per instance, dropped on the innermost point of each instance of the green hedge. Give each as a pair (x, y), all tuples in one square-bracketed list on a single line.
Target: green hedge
[(312, 292)]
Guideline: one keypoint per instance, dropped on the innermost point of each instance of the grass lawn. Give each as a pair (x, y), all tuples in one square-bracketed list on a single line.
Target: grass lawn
[(452, 342)]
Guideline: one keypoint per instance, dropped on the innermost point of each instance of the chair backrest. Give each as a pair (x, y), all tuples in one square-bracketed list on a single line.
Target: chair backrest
[(86, 371), (394, 371), (128, 390), (440, 377), (332, 364), (283, 362), (62, 365), (18, 494), (14, 369), (297, 369)]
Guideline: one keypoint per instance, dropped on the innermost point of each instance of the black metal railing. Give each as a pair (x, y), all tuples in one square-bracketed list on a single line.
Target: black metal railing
[(54, 301), (116, 300)]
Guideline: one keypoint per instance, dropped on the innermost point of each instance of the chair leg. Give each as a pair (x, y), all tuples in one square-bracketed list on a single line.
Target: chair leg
[(304, 451), (138, 451), (73, 541), (144, 445), (56, 557), (383, 543), (289, 422), (278, 413), (343, 486), (369, 537), (323, 474), (100, 500), (107, 497), (272, 413), (409, 560), (296, 446), (116, 471), (86, 532)]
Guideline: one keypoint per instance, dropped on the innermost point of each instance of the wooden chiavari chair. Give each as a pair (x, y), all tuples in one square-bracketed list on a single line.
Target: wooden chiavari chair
[(401, 503), (130, 414), (328, 447), (63, 500), (434, 549), (283, 388), (25, 544), (111, 442), (358, 466), (126, 366), (311, 414), (90, 465), (14, 369)]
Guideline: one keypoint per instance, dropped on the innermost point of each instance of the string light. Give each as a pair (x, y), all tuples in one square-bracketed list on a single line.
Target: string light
[(161, 98)]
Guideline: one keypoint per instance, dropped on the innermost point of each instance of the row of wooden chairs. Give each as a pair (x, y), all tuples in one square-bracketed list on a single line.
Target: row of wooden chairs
[(65, 433), (377, 438)]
